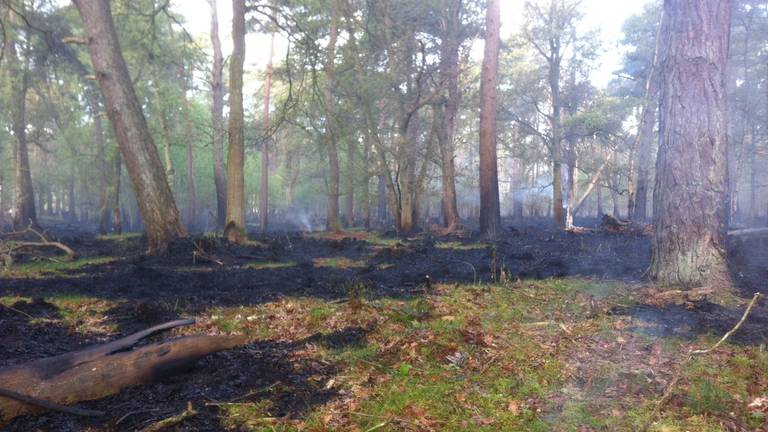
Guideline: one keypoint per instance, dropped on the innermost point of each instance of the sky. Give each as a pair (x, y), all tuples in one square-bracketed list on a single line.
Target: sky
[(607, 16)]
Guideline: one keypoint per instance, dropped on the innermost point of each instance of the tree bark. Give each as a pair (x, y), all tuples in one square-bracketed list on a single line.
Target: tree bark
[(217, 109), (235, 227), (24, 211), (644, 140), (690, 194), (102, 370), (446, 111), (349, 192), (184, 78), (332, 223), (158, 209), (490, 216), (264, 185)]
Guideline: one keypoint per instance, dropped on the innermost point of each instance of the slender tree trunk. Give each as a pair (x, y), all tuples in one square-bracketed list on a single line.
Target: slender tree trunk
[(184, 78), (490, 216), (349, 193), (117, 220), (264, 185), (366, 195), (235, 229), (101, 148), (691, 169), (573, 165), (158, 209), (381, 200), (217, 109), (638, 207), (18, 74), (332, 223), (165, 128), (447, 110)]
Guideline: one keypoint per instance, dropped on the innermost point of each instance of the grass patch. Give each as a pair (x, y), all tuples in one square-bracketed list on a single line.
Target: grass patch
[(460, 246), (45, 269), (270, 265), (338, 262)]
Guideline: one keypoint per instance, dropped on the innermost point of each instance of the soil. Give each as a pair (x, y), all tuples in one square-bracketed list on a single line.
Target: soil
[(156, 289)]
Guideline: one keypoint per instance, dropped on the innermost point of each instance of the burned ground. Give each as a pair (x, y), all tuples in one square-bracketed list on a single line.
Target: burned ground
[(310, 301)]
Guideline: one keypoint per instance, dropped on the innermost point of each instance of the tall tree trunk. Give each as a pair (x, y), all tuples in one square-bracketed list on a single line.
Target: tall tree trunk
[(691, 169), (349, 192), (24, 212), (161, 110), (101, 148), (381, 199), (446, 111), (158, 209), (572, 166), (332, 223), (217, 108), (117, 220), (490, 216), (264, 185), (366, 193), (235, 229), (638, 207), (184, 78)]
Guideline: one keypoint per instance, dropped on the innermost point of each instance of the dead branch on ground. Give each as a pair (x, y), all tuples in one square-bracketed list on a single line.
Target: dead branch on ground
[(691, 355), (102, 370)]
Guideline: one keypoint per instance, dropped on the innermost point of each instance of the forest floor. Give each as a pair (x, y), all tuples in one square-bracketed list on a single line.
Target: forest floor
[(543, 331)]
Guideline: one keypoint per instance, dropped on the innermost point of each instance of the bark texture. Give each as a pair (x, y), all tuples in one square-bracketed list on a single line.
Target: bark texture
[(102, 370), (490, 216), (690, 194), (235, 227), (24, 212), (217, 109), (446, 111), (638, 204), (332, 223), (158, 209)]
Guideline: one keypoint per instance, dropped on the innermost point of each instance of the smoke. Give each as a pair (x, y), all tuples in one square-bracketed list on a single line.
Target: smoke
[(301, 220)]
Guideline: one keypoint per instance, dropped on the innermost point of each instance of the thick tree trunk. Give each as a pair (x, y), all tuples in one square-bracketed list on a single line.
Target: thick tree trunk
[(217, 108), (235, 229), (490, 216), (24, 212), (158, 209), (264, 185), (332, 222), (102, 370), (690, 194)]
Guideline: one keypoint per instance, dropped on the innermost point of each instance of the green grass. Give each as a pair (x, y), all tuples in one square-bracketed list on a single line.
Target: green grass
[(460, 246), (528, 356), (46, 269), (338, 262), (270, 265)]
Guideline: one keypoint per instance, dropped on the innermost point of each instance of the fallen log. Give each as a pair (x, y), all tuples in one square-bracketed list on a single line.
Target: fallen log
[(615, 225), (102, 370)]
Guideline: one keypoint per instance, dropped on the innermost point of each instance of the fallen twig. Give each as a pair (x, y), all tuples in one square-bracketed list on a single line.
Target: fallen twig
[(172, 421), (691, 354)]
